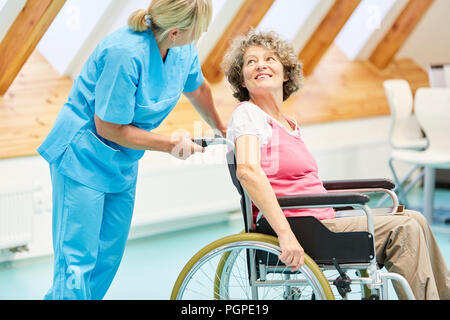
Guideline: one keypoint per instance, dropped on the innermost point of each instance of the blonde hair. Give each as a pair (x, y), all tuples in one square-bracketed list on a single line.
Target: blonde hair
[(168, 14), (234, 61)]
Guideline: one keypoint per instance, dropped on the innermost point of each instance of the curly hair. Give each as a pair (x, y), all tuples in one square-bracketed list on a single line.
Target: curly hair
[(234, 60)]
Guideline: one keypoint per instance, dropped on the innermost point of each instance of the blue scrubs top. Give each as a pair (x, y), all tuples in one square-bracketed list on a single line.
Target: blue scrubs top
[(124, 81)]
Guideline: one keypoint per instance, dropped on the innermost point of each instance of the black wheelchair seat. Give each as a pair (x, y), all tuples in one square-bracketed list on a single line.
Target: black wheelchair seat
[(323, 245)]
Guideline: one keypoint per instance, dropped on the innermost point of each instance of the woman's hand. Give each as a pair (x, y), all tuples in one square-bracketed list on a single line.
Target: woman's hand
[(292, 253), (184, 147)]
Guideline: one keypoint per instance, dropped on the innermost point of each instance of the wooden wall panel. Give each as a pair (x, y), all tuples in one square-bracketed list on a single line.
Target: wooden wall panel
[(249, 15), (325, 33), (23, 37), (396, 36)]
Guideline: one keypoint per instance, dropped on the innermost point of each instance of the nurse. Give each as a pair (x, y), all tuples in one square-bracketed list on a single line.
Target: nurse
[(127, 87)]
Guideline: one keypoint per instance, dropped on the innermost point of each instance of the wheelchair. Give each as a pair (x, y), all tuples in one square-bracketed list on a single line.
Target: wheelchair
[(336, 265)]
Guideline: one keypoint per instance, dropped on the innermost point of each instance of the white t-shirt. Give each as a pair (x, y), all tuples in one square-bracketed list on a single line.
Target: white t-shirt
[(249, 119)]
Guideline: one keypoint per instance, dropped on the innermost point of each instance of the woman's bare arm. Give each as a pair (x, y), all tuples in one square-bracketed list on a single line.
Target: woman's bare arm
[(257, 185)]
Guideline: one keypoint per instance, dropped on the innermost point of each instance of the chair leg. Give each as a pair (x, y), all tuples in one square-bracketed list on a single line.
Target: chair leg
[(407, 188), (402, 195), (428, 200), (416, 180)]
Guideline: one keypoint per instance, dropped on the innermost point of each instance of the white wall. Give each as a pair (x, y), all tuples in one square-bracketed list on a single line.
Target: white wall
[(350, 149)]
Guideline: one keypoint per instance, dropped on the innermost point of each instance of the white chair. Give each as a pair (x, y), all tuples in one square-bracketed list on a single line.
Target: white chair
[(432, 109), (405, 132)]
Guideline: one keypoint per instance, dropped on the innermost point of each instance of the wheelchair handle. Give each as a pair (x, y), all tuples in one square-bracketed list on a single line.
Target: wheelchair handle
[(205, 142)]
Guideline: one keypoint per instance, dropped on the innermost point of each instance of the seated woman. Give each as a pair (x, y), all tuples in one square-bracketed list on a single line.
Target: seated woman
[(272, 161)]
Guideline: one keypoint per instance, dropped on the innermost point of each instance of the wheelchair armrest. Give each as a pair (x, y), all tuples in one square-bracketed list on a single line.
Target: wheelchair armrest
[(325, 199), (359, 184), (328, 200)]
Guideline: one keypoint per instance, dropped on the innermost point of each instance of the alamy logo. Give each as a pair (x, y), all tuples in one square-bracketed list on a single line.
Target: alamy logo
[(74, 279)]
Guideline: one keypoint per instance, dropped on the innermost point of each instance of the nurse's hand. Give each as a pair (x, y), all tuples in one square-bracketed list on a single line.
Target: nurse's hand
[(184, 147)]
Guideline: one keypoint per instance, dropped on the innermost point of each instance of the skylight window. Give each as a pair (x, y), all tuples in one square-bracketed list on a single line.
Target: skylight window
[(286, 17), (367, 18), (2, 4)]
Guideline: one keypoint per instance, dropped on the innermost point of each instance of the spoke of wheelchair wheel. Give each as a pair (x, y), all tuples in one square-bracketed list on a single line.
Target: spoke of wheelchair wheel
[(201, 284), (280, 292), (235, 268), (202, 294), (277, 289), (240, 284), (236, 274), (267, 263), (244, 280)]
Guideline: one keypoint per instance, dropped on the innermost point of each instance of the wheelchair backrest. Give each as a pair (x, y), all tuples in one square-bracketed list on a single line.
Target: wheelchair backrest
[(231, 161)]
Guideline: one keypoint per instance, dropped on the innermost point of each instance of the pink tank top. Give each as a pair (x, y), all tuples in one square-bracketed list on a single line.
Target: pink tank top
[(292, 170)]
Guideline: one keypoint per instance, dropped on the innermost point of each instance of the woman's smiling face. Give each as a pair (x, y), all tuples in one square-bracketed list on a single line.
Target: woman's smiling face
[(262, 70)]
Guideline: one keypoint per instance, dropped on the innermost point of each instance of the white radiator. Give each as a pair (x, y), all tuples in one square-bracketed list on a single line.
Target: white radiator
[(16, 218)]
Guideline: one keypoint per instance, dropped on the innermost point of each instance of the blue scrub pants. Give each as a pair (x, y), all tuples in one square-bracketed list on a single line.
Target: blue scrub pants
[(90, 230)]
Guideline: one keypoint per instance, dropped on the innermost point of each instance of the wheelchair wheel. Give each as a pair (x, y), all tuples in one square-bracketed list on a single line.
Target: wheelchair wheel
[(238, 267)]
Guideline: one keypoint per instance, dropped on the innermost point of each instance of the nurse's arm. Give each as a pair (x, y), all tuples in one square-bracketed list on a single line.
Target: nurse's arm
[(133, 137), (203, 102), (257, 185)]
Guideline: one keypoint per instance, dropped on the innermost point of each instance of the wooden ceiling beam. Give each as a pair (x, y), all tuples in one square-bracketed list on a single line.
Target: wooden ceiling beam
[(325, 33), (399, 32), (23, 37), (249, 15)]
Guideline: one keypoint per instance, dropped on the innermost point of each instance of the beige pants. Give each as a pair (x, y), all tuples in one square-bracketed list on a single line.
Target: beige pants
[(405, 244)]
